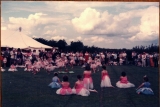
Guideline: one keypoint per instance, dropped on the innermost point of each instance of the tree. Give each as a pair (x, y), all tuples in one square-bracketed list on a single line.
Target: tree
[(76, 46), (61, 44)]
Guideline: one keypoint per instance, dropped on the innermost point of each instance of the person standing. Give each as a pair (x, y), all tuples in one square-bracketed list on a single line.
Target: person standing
[(88, 82), (144, 59)]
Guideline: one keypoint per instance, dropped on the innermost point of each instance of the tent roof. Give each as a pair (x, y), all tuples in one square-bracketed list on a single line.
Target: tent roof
[(17, 39)]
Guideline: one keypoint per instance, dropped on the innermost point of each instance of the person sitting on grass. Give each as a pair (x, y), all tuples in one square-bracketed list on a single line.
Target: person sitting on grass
[(79, 88), (65, 90), (50, 68), (12, 68), (55, 81), (105, 80), (2, 70), (35, 69), (124, 83), (144, 88)]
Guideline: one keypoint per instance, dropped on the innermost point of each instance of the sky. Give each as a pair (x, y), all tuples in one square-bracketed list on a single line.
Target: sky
[(103, 24)]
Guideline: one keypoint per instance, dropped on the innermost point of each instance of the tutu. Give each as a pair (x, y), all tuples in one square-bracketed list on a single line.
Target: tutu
[(93, 66), (98, 64), (29, 69), (147, 91), (12, 69), (106, 82), (88, 83), (124, 85), (54, 83), (64, 91), (82, 91)]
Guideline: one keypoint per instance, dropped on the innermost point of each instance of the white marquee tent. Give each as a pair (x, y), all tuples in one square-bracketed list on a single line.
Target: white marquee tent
[(18, 39)]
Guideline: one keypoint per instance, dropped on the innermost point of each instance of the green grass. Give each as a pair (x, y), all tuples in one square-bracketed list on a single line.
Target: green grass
[(23, 89)]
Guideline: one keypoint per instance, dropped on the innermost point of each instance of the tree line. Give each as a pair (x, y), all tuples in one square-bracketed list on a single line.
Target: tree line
[(79, 46)]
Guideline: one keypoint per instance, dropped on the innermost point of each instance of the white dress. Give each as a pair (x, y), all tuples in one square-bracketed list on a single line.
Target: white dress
[(105, 82), (124, 83)]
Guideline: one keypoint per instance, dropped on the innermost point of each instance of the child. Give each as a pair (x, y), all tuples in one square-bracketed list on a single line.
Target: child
[(50, 68), (88, 82), (28, 65), (93, 66), (98, 63), (79, 88), (105, 80), (12, 68), (65, 90), (124, 83), (4, 61), (55, 81), (144, 88), (34, 68), (2, 70)]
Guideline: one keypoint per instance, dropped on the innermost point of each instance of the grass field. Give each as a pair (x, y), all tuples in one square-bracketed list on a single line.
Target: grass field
[(23, 89)]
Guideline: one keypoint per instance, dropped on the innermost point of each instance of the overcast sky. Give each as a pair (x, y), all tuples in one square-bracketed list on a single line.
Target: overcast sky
[(102, 24)]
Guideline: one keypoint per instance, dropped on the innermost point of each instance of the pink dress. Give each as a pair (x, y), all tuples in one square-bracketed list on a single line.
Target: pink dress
[(124, 83), (72, 60), (98, 62), (80, 89), (12, 68), (4, 60), (88, 82), (105, 80), (93, 65), (65, 90)]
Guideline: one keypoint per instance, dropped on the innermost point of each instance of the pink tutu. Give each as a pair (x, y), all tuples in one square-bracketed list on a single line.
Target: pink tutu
[(82, 91), (93, 66), (10, 69), (64, 91), (72, 62), (105, 82), (88, 83), (124, 85), (98, 64)]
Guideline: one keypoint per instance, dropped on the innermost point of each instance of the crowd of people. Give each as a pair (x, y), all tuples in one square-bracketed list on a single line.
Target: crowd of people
[(145, 59), (49, 60)]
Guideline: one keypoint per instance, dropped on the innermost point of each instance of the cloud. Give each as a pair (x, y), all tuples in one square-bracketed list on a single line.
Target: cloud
[(149, 26), (96, 39), (34, 36), (79, 38), (92, 22), (32, 21), (71, 40), (49, 32), (87, 20), (58, 38)]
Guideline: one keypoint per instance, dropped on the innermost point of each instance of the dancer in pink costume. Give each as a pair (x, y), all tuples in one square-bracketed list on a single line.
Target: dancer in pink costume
[(79, 88), (12, 68), (105, 80), (124, 83), (65, 90), (88, 82)]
